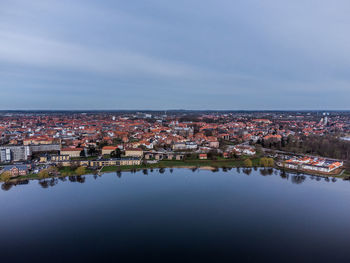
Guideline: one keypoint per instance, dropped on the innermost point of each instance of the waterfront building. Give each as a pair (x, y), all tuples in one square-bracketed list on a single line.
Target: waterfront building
[(16, 170), (115, 162), (312, 164)]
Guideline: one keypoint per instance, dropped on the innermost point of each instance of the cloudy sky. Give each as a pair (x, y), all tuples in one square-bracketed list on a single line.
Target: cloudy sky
[(184, 54)]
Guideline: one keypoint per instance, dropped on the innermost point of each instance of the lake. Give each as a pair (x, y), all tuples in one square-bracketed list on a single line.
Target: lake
[(238, 215)]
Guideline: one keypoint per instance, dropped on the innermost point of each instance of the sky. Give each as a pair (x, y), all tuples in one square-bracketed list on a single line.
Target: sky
[(183, 54)]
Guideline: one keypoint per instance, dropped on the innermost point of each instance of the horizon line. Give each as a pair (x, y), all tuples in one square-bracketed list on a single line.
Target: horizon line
[(171, 110)]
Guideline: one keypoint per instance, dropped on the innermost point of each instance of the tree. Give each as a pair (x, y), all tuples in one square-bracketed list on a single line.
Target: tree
[(82, 153), (116, 153), (43, 174), (5, 176), (92, 151), (74, 165), (248, 163), (212, 154), (102, 144), (80, 170), (52, 170), (263, 162), (270, 162)]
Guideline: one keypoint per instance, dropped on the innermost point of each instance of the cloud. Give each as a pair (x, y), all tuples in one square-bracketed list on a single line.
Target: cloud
[(227, 54), (41, 52)]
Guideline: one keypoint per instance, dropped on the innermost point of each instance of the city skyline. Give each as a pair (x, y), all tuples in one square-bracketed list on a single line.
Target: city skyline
[(192, 55)]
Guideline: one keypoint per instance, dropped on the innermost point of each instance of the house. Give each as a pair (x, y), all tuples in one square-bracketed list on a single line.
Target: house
[(244, 149), (149, 156), (169, 156), (214, 144), (179, 157), (158, 156), (43, 159), (226, 155), (179, 146), (203, 156)]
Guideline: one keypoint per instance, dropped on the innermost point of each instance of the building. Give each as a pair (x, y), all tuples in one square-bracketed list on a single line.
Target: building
[(60, 158), (312, 164), (203, 156), (16, 170), (14, 153), (129, 161), (244, 149), (134, 152), (115, 162), (226, 155), (103, 162), (184, 146), (43, 159), (106, 150), (5, 155), (37, 141), (72, 152), (45, 148), (214, 144), (179, 157)]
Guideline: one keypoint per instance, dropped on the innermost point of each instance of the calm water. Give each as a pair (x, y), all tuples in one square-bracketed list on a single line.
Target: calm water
[(183, 215)]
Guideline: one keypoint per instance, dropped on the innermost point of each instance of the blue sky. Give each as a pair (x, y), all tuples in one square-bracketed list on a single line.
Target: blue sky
[(183, 54)]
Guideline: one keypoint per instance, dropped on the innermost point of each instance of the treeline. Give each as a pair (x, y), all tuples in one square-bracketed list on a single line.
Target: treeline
[(327, 146)]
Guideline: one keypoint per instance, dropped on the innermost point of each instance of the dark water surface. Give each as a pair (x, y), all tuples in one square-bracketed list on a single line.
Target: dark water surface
[(224, 216)]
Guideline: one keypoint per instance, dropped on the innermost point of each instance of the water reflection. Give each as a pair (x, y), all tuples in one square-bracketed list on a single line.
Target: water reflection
[(6, 186), (247, 171), (77, 178), (266, 171), (298, 179), (295, 178), (284, 175)]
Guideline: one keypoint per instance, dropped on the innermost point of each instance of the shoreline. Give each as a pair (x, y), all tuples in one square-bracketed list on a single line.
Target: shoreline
[(139, 168)]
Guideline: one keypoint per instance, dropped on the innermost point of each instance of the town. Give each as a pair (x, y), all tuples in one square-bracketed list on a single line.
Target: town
[(44, 144)]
